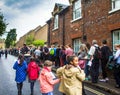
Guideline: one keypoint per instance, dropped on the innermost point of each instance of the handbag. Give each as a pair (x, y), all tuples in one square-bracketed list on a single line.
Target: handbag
[(111, 63), (81, 64)]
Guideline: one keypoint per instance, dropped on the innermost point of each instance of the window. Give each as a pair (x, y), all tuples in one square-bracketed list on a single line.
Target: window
[(76, 45), (76, 9), (115, 4), (116, 37), (56, 22)]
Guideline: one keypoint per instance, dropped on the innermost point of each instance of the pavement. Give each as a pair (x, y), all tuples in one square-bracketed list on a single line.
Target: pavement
[(108, 86)]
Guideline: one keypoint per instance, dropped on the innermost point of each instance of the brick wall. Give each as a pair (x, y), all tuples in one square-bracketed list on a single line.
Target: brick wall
[(96, 23)]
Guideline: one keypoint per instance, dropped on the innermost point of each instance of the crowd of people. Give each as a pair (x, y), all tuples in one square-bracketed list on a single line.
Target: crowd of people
[(3, 52), (71, 68)]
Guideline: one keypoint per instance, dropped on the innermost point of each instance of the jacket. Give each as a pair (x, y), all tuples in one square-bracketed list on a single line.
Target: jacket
[(33, 70), (71, 82), (46, 80), (117, 56), (21, 71)]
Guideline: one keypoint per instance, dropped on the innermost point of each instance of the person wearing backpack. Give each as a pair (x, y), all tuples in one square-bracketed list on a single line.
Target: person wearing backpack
[(106, 52), (52, 52), (94, 69), (33, 73), (45, 53)]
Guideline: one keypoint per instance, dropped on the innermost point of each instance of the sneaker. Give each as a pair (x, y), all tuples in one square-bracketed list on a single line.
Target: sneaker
[(86, 79), (117, 86), (89, 77), (107, 79), (102, 80)]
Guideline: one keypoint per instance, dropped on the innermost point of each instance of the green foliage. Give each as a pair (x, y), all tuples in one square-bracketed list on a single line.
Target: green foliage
[(11, 38), (29, 39), (39, 43), (2, 24)]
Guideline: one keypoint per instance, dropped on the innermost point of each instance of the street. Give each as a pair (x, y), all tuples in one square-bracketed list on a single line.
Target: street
[(8, 84)]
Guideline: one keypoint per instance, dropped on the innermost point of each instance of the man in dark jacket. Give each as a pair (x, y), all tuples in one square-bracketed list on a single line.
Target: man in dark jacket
[(106, 52), (25, 49)]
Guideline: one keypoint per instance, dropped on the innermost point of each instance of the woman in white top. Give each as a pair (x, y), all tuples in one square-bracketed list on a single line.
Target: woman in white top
[(117, 66)]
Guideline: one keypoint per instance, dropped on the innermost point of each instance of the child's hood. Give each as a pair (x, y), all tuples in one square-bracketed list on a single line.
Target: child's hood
[(68, 71), (45, 70), (33, 65)]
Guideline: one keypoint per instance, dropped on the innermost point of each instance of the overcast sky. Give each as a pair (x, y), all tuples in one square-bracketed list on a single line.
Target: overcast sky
[(25, 15)]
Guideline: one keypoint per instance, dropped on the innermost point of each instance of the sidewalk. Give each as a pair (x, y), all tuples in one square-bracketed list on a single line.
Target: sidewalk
[(106, 86)]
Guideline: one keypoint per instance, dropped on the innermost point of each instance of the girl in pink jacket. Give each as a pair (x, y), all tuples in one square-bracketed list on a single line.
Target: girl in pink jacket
[(46, 79)]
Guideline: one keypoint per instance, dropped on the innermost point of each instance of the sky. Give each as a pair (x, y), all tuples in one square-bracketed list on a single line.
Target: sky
[(25, 15)]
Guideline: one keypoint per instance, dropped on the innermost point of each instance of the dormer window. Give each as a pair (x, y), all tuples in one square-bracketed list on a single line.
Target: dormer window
[(55, 21), (76, 9)]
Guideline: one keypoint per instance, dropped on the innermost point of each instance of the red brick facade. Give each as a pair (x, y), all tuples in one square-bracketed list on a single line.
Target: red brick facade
[(96, 23)]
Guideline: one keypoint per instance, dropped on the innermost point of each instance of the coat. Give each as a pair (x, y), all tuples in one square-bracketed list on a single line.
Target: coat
[(33, 71), (46, 80), (21, 71), (71, 82)]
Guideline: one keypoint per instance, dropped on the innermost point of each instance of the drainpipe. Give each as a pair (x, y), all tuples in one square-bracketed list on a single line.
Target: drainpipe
[(63, 29), (48, 34), (84, 37)]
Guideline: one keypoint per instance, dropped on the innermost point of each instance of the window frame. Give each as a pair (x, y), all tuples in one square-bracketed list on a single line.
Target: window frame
[(76, 45), (77, 10), (116, 35), (114, 8), (56, 21)]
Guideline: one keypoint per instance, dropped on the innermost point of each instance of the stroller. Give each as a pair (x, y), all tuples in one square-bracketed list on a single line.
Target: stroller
[(27, 58)]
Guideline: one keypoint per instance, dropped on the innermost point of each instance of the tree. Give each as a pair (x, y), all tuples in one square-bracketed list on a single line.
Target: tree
[(3, 25), (39, 43), (11, 38), (29, 39)]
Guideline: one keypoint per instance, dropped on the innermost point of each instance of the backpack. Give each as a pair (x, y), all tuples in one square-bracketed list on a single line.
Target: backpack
[(52, 51), (33, 72), (97, 54), (46, 50)]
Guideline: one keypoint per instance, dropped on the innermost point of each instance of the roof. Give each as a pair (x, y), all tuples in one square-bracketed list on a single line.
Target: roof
[(58, 8)]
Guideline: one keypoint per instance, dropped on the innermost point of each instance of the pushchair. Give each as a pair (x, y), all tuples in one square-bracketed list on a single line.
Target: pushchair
[(27, 58)]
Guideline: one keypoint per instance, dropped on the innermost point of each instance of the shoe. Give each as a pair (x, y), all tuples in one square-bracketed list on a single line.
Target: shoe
[(117, 86), (102, 80), (86, 79), (107, 79)]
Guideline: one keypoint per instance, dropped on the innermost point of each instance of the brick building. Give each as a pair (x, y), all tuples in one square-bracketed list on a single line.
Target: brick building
[(2, 43), (83, 21), (39, 33)]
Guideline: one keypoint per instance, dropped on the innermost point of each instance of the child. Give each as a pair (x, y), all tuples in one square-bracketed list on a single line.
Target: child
[(47, 79), (72, 77), (33, 73), (20, 66), (82, 56)]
